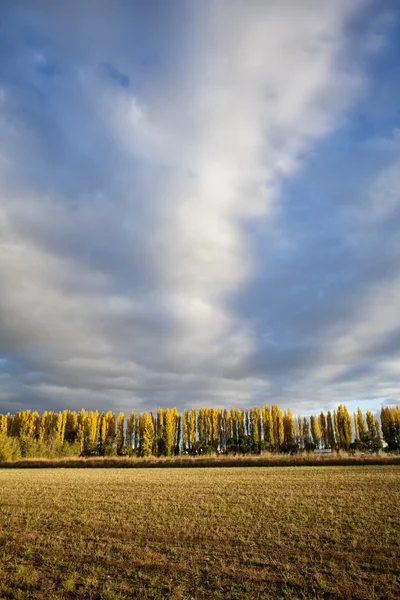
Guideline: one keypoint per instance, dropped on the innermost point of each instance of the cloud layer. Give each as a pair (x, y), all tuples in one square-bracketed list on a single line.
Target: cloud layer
[(199, 205)]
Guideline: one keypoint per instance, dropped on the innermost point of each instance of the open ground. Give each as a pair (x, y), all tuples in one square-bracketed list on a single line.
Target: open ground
[(287, 532)]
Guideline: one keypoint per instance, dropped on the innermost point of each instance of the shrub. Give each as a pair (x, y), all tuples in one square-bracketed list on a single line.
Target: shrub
[(10, 448)]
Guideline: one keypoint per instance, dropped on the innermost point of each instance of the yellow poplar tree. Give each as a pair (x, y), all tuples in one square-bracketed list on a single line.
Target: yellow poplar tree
[(120, 432), (178, 431), (315, 431), (92, 431), (185, 429), (147, 434), (362, 429), (289, 432), (356, 432), (130, 424), (209, 425), (247, 421), (102, 433), (3, 425), (16, 424), (279, 432), (234, 421), (9, 423), (215, 426), (192, 428), (343, 427), (137, 431), (160, 433), (201, 423), (323, 429), (61, 424), (240, 421), (71, 427), (306, 435), (253, 422), (169, 424), (81, 434), (43, 427), (268, 426), (390, 423), (330, 433)]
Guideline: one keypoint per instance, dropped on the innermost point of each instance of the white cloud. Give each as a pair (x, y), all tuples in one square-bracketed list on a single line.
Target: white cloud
[(198, 157)]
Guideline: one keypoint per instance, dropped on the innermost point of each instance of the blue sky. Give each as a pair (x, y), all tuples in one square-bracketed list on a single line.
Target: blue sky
[(199, 204)]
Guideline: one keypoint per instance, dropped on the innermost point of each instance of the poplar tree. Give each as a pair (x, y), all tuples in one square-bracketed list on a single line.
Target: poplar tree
[(234, 424), (169, 423), (110, 436), (192, 428), (362, 430), (178, 431), (9, 423), (130, 424), (71, 427), (42, 427), (216, 427), (228, 429), (61, 423), (92, 432), (81, 437), (330, 433), (201, 424), (3, 425), (306, 435), (147, 435), (137, 432), (315, 431), (240, 422), (343, 427), (120, 433), (323, 429), (279, 432), (247, 421), (356, 432), (390, 422), (256, 426), (289, 431), (373, 434), (33, 425), (300, 432), (209, 425), (102, 434), (185, 429), (16, 424), (25, 424)]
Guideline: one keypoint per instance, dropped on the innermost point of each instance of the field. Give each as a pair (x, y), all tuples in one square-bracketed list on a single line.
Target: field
[(285, 532), (266, 459)]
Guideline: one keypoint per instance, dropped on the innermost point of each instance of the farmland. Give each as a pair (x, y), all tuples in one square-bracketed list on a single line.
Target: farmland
[(285, 532)]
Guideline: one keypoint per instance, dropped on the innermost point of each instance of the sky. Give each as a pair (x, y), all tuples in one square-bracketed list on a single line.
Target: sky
[(199, 204)]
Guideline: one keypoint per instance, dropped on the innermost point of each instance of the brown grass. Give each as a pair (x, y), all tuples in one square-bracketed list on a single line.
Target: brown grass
[(240, 533), (264, 460)]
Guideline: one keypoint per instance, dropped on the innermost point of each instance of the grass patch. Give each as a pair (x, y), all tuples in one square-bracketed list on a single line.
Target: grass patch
[(266, 459), (330, 532)]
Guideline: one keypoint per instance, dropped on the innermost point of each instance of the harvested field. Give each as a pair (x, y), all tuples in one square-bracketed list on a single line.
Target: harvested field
[(287, 532)]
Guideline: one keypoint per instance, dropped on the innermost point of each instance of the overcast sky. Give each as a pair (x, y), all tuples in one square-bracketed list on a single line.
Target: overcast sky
[(199, 204)]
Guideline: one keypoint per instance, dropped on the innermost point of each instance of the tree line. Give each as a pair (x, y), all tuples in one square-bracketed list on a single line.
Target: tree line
[(201, 431)]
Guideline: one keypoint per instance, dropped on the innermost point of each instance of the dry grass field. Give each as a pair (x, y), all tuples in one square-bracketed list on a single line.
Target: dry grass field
[(287, 532), (266, 459)]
